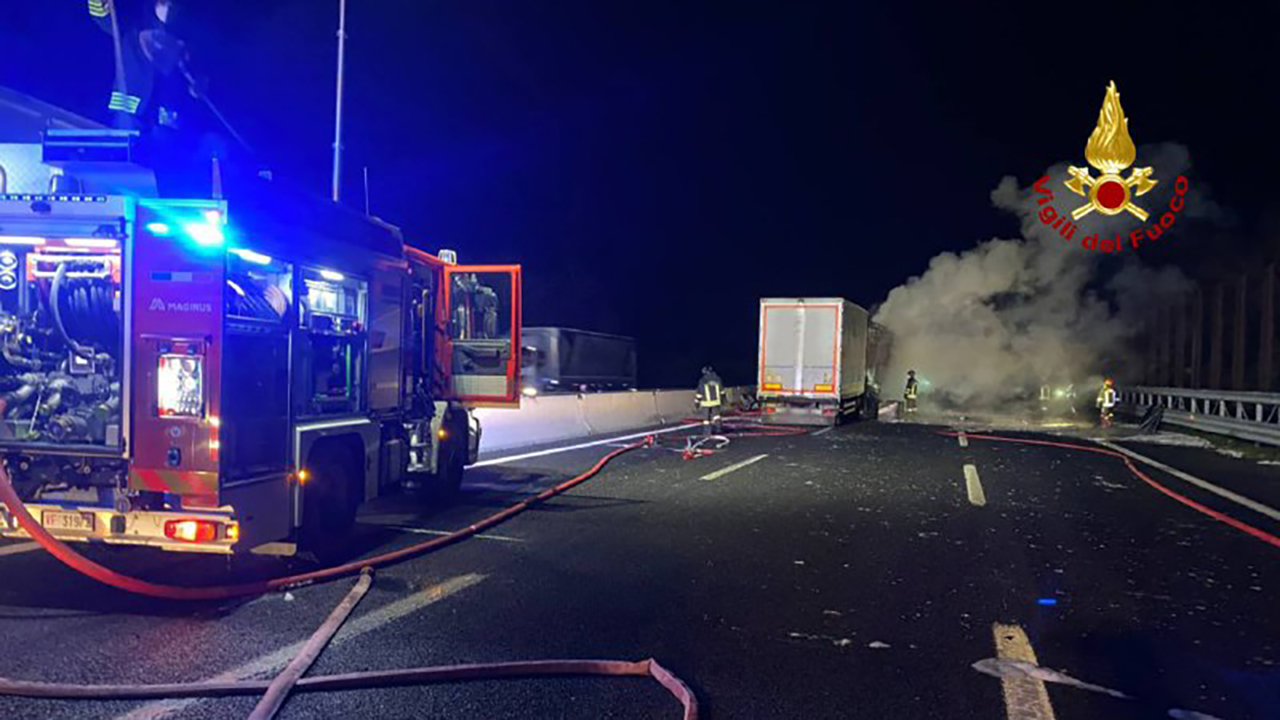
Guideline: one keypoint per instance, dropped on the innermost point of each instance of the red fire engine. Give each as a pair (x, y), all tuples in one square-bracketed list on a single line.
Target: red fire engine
[(229, 375)]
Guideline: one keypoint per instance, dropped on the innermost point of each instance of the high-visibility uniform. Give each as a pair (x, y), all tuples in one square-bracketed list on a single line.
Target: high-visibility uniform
[(710, 391), (1108, 398), (911, 394)]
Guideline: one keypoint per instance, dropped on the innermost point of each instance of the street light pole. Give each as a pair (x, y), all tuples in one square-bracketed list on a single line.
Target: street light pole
[(337, 120)]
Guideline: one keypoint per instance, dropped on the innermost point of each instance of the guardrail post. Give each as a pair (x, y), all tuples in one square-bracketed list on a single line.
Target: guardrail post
[(1237, 352), (1215, 337), (1266, 341)]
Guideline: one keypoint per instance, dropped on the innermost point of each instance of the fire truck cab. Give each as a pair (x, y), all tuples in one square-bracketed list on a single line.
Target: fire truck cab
[(229, 375)]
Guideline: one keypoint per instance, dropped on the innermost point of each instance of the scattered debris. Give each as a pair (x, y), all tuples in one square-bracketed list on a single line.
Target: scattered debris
[(877, 645), (288, 596), (835, 613), (1002, 668)]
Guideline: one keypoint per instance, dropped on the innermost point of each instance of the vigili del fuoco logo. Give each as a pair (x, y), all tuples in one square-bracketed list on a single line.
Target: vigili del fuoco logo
[(1110, 151)]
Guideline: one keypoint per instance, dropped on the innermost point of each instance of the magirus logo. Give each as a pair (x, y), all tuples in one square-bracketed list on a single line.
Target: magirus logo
[(1110, 150), (162, 305)]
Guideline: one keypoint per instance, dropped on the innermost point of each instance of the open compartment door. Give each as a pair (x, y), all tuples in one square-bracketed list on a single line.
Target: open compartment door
[(481, 313)]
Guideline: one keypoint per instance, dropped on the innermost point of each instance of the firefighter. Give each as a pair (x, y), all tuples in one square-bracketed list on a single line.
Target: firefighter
[(1107, 400), (710, 397), (912, 392)]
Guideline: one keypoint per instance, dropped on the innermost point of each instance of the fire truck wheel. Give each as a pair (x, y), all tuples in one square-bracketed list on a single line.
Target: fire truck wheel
[(453, 457), (329, 502)]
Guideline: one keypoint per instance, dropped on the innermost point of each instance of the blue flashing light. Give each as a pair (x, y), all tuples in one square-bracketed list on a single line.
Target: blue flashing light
[(158, 229), (1047, 601), (204, 234), (250, 256)]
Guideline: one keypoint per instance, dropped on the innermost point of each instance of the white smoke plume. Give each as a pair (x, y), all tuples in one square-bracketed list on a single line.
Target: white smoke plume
[(992, 324)]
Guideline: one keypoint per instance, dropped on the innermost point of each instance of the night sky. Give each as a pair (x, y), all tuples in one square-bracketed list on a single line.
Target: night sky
[(657, 167)]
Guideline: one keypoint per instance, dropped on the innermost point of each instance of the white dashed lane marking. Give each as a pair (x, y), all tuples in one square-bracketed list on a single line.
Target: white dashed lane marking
[(973, 486)]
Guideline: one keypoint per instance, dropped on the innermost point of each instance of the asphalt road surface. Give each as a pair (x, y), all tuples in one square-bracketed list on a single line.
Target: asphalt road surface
[(857, 573)]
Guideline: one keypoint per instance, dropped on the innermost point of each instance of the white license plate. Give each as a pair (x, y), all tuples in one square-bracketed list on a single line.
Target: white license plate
[(54, 520)]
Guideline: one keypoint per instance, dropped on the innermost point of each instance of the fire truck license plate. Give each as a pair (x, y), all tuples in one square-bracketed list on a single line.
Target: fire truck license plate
[(53, 520)]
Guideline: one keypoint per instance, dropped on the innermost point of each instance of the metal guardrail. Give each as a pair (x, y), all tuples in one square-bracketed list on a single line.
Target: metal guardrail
[(1253, 416)]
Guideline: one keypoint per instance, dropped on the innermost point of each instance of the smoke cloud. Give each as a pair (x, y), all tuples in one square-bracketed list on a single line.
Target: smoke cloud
[(990, 325)]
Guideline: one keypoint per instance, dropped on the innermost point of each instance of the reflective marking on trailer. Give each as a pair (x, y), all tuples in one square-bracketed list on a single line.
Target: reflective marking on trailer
[(273, 662), (973, 486), (736, 466)]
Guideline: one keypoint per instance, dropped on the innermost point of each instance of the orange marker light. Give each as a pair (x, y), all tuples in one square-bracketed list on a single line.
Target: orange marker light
[(303, 476)]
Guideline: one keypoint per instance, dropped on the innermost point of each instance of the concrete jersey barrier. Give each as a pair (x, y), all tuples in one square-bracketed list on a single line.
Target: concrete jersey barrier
[(552, 418)]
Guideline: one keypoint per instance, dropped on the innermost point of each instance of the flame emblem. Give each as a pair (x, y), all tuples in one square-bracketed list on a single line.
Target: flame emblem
[(1110, 150)]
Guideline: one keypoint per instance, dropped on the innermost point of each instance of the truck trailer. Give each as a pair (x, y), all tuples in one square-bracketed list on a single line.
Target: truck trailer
[(560, 360), (820, 361), (227, 375)]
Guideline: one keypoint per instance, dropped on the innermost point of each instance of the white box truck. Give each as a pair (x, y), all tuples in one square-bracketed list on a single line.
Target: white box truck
[(820, 360)]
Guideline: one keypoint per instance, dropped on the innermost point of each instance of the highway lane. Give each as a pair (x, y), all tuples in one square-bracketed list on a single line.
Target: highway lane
[(843, 575)]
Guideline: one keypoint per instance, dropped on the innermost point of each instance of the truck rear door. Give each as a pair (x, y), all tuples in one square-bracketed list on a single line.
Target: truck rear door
[(799, 348), (481, 313)]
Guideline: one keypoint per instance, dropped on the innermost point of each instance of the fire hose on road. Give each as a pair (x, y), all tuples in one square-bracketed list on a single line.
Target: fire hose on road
[(1240, 525), (276, 692), (83, 565)]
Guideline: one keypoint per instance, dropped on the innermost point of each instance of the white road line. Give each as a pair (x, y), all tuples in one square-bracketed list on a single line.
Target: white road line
[(736, 466), (973, 486), (1241, 500), (595, 443), (963, 440), (824, 430), (272, 663), (17, 548), (425, 531), (1025, 698)]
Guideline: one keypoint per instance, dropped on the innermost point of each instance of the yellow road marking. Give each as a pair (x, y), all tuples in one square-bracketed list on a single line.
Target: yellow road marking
[(973, 486), (1025, 698), (963, 440)]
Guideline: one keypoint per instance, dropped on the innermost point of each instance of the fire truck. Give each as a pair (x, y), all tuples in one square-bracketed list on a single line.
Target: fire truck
[(228, 375)]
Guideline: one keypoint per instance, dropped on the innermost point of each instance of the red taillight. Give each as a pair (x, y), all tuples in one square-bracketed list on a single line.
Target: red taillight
[(191, 530), (771, 409)]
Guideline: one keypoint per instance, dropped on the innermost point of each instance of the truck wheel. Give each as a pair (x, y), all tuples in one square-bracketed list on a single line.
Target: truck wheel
[(453, 458), (329, 498)]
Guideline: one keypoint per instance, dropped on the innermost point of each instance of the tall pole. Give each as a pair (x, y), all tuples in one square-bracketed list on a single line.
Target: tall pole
[(1197, 339), (1267, 339), (1237, 348), (337, 111)]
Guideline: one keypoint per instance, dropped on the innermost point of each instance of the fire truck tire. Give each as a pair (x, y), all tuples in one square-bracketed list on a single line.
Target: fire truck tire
[(453, 457), (329, 500)]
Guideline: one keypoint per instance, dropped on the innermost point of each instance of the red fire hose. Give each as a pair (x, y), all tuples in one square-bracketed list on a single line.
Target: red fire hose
[(83, 565), (1240, 525)]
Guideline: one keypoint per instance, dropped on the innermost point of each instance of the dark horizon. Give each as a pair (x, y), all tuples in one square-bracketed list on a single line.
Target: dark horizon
[(657, 168)]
